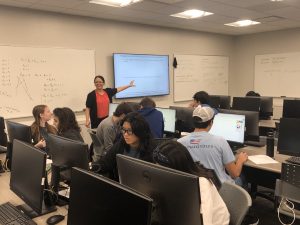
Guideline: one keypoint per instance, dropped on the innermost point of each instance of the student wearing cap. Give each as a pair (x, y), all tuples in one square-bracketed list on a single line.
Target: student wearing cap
[(212, 151)]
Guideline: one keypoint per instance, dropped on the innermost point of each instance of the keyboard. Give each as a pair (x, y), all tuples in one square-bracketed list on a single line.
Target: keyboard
[(294, 160), (11, 215)]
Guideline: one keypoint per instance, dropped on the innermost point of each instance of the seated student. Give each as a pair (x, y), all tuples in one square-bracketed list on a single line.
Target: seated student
[(40, 127), (109, 129), (213, 151), (174, 155), (200, 98), (154, 117), (252, 93), (67, 126), (136, 141)]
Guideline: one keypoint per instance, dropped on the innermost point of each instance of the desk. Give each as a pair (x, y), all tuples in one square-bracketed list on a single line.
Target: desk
[(266, 126), (262, 174), (7, 195)]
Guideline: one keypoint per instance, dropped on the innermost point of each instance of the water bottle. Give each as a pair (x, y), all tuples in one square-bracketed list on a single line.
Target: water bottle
[(270, 144)]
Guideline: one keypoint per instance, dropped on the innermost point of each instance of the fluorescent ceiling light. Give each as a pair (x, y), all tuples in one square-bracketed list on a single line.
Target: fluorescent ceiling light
[(242, 23), (276, 0), (114, 3), (192, 14)]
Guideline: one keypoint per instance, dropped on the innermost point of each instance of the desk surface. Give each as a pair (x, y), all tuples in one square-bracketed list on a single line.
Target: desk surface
[(268, 123), (7, 195), (274, 167)]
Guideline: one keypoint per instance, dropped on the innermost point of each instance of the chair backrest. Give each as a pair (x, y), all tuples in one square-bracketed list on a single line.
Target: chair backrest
[(237, 201)]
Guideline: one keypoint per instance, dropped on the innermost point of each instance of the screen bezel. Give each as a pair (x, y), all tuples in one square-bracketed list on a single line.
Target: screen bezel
[(131, 97)]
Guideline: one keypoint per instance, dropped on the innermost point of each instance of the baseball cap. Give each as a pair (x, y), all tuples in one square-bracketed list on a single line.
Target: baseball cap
[(205, 113)]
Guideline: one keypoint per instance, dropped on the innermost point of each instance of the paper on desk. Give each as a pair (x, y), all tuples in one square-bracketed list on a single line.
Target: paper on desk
[(49, 161), (261, 159)]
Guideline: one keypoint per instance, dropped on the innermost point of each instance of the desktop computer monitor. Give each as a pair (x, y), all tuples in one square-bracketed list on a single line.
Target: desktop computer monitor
[(112, 108), (291, 108), (27, 178), (95, 199), (223, 101), (184, 118), (67, 153), (18, 131), (229, 126), (214, 102), (252, 121), (289, 136), (266, 106), (246, 103), (169, 119), (175, 194)]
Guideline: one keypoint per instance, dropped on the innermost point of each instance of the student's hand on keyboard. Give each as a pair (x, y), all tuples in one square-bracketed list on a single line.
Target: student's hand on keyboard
[(242, 157)]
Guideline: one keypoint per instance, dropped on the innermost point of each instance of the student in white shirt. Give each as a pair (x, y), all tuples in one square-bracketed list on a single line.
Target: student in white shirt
[(174, 155)]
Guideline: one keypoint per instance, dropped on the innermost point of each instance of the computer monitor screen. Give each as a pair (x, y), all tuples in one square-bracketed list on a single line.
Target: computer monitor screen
[(252, 120), (149, 72), (18, 131), (175, 194), (67, 153), (112, 108), (28, 176), (220, 101), (214, 102), (169, 119), (95, 199), (229, 126), (291, 108), (266, 106), (289, 136), (184, 118), (246, 103)]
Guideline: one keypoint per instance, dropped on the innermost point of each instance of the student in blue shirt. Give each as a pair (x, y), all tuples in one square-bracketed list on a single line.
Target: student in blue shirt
[(154, 117)]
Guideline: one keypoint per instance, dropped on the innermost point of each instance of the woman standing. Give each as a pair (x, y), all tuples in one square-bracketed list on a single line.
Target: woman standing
[(97, 102), (40, 127)]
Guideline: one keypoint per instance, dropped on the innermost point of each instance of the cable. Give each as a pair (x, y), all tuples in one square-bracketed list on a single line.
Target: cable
[(285, 201)]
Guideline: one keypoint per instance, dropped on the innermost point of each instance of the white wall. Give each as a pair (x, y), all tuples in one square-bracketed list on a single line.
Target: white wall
[(247, 46), (25, 27), (37, 28)]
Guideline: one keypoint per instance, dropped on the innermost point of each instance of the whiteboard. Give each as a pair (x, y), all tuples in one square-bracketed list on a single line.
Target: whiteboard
[(200, 73), (52, 76), (277, 74)]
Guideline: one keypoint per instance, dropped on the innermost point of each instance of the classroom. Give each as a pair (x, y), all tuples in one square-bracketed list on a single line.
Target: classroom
[(79, 25)]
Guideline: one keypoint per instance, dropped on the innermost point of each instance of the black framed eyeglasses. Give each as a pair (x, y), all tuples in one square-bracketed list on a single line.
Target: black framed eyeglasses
[(128, 131)]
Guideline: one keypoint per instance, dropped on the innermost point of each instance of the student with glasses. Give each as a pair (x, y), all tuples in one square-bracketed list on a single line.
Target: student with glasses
[(97, 102), (136, 141), (174, 155)]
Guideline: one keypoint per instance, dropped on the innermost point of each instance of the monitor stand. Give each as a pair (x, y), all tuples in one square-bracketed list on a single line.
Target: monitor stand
[(32, 214)]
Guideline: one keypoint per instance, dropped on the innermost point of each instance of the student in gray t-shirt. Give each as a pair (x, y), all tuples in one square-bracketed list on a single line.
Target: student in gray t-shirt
[(211, 151), (109, 129)]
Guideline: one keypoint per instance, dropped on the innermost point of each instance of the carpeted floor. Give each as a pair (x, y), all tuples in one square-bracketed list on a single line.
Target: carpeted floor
[(264, 210)]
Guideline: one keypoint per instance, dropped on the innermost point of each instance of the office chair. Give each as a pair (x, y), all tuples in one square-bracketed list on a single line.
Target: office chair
[(237, 200), (3, 136), (96, 144), (288, 191)]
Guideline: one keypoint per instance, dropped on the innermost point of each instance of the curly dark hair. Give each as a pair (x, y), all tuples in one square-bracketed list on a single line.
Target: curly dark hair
[(67, 119)]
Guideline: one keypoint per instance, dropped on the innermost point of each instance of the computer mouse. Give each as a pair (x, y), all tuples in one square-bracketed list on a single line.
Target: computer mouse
[(55, 219)]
